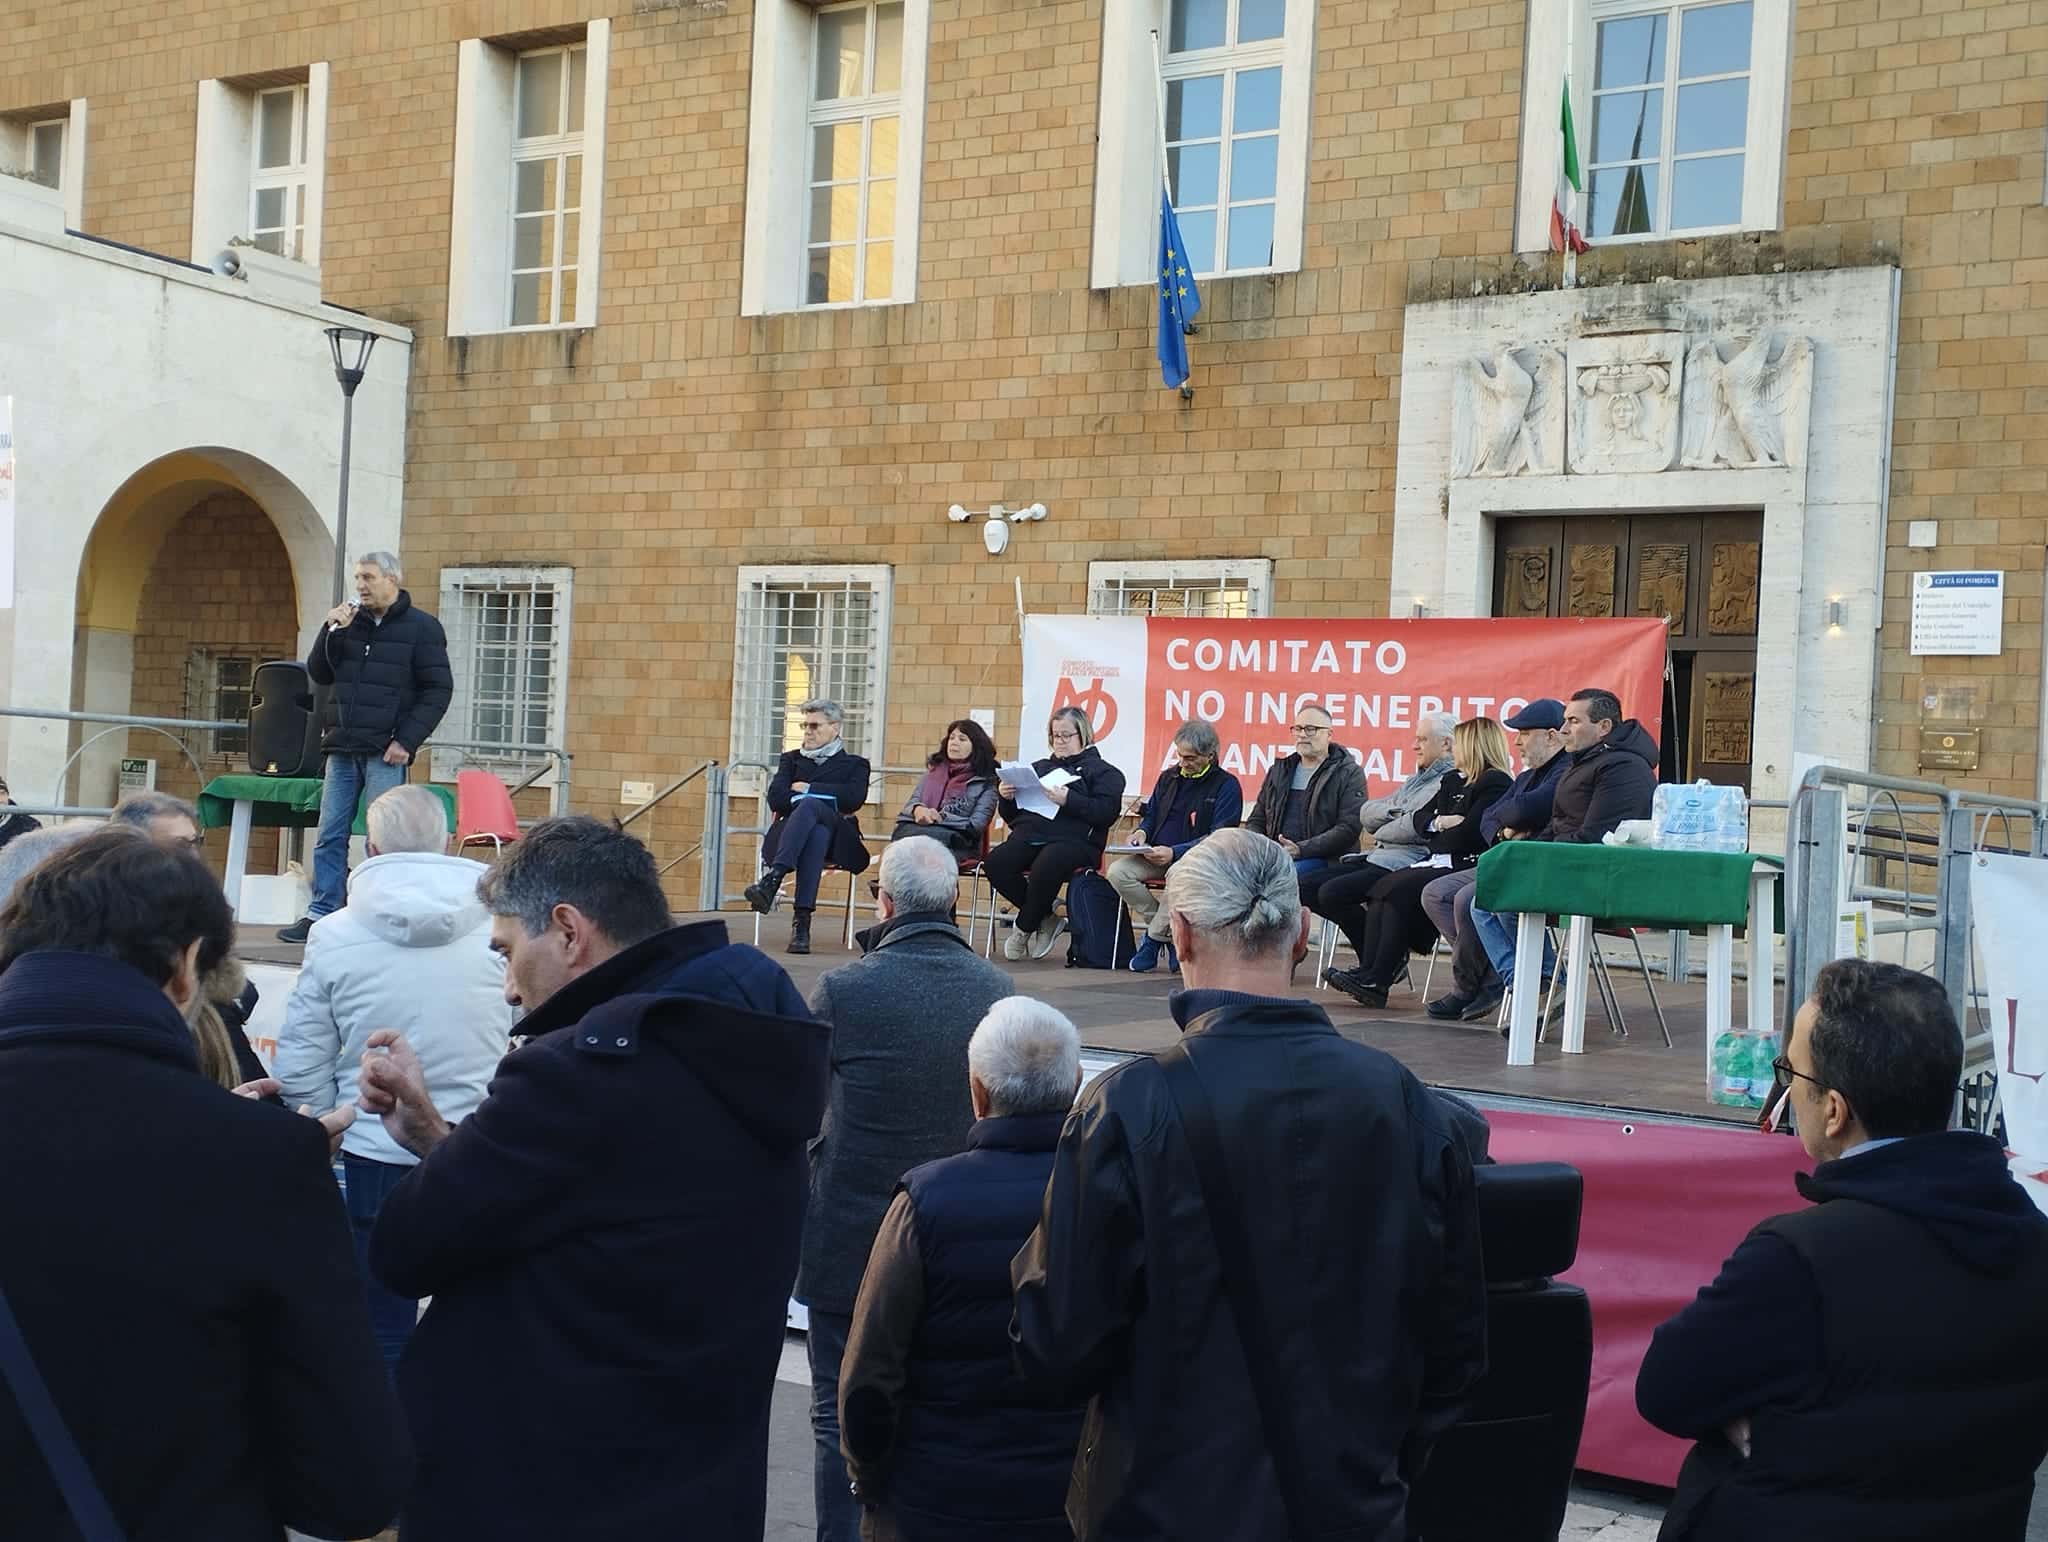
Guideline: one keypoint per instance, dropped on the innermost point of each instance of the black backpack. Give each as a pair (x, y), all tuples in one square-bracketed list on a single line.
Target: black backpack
[(1096, 924)]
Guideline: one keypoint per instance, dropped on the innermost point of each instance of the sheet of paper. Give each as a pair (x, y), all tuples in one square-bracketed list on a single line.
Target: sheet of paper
[(1030, 790)]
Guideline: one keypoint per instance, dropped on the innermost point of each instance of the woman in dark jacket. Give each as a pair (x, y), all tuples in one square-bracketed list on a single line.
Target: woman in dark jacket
[(957, 797), (1042, 853), (1383, 916), (817, 787)]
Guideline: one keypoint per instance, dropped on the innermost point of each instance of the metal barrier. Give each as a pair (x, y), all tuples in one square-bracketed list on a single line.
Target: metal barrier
[(550, 757), (1899, 830)]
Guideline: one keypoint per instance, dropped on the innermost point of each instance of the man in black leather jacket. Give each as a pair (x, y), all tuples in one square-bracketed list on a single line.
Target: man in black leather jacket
[(1357, 1198)]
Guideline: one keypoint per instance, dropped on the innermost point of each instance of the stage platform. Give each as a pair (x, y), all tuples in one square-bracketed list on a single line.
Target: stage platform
[(1127, 1014)]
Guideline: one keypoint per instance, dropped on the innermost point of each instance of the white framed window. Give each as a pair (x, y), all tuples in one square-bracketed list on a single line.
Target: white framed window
[(1681, 116), (258, 158), (46, 152), (1224, 63), (1232, 89), (46, 146), (278, 177), (528, 209), (508, 647), (1230, 589), (547, 184), (803, 633), (855, 124), (835, 148)]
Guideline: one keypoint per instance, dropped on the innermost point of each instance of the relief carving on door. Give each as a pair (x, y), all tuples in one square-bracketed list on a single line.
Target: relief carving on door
[(1591, 574), (1732, 588), (1525, 588), (1661, 572), (1725, 713)]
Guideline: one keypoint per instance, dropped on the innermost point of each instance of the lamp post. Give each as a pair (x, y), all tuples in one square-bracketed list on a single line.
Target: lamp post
[(351, 348)]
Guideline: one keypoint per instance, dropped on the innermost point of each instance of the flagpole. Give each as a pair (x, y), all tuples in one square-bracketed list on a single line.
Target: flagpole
[(1571, 194), (1159, 102)]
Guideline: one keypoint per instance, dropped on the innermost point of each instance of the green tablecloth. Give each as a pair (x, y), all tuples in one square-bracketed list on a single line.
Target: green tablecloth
[(1637, 884), (286, 802)]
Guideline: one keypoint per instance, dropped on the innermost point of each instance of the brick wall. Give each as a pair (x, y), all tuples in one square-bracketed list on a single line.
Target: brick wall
[(221, 582), (679, 439)]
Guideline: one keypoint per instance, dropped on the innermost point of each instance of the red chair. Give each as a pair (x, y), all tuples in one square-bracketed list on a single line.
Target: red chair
[(483, 812), (973, 870)]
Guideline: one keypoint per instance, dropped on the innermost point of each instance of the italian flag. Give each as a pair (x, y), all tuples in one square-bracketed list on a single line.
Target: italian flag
[(1564, 233)]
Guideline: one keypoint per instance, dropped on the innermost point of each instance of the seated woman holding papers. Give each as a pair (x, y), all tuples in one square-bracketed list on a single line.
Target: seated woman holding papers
[(1059, 811)]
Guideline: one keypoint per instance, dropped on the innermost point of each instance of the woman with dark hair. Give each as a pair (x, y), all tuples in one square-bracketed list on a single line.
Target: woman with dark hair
[(957, 797)]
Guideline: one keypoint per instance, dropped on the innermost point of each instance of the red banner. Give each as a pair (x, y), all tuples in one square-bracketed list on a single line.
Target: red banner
[(1141, 678)]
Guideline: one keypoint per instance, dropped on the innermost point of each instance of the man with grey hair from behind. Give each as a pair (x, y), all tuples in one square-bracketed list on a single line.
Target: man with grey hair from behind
[(1167, 1281), (939, 1440), (901, 1017), (410, 951)]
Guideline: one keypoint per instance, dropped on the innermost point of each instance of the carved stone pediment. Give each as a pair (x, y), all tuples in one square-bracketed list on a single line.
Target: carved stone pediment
[(1624, 393), (1507, 414)]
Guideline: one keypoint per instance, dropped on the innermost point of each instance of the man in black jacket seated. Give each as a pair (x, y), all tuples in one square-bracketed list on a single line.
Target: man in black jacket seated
[(1356, 1198), (386, 664), (938, 1434), (177, 1257), (610, 1237), (816, 790), (1876, 1366)]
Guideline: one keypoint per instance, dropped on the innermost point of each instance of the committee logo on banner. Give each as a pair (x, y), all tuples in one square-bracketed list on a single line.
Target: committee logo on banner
[(1095, 663)]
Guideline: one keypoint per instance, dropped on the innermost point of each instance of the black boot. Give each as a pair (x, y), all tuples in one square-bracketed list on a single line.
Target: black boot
[(799, 932), (761, 892)]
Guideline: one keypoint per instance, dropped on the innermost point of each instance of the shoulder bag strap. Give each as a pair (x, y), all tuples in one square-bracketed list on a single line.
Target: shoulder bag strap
[(1240, 1282), (81, 1493)]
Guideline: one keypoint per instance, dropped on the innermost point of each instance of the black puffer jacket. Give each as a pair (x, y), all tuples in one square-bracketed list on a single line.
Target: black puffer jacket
[(391, 681), (1095, 801), (1604, 785)]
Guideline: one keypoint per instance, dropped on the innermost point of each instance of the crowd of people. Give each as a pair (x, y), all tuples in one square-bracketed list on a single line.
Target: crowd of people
[(499, 1245)]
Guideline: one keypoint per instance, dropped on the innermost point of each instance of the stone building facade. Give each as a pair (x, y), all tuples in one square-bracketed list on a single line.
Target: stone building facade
[(689, 449)]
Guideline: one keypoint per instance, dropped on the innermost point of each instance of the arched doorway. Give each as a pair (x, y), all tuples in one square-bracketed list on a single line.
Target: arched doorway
[(192, 577)]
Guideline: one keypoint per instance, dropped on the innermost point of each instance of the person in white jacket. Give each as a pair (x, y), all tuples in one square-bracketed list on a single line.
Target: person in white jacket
[(410, 950)]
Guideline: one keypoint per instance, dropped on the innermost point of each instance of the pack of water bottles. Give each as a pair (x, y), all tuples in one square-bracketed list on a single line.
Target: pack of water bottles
[(1699, 816)]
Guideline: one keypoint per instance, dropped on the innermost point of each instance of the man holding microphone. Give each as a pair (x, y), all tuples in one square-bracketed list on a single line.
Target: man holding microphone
[(386, 665)]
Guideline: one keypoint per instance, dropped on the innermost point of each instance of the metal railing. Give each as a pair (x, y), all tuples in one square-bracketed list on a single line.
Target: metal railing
[(1900, 829)]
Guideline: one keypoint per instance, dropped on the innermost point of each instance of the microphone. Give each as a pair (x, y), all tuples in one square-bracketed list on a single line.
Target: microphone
[(335, 626)]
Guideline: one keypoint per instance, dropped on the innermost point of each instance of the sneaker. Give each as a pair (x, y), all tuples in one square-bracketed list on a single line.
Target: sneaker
[(1448, 1009), (1338, 978), (1146, 959), (1172, 958), (1358, 988), (1483, 1005), (298, 931), (1013, 944), (1039, 943)]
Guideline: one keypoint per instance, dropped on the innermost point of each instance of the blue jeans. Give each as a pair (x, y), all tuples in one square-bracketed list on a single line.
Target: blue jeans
[(1303, 866), (838, 1511), (369, 1184), (1496, 933), (349, 779)]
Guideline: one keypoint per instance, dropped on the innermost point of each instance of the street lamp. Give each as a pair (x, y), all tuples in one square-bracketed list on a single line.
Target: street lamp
[(351, 348)]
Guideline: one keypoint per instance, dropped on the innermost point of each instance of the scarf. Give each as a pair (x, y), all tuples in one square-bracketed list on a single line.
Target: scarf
[(819, 757), (947, 779)]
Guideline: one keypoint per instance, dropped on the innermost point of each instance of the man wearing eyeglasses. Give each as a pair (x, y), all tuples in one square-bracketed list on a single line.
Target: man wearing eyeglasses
[(817, 787), (1311, 802), (1875, 1366)]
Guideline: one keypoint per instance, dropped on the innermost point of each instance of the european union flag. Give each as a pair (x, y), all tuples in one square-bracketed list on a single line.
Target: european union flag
[(1178, 298)]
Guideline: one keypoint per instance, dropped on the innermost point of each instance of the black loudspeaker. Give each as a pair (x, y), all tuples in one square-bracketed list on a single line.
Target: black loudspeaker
[(285, 709)]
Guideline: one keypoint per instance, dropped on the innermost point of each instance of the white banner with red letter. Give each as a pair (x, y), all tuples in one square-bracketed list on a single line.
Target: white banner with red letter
[(2008, 898), (1139, 678)]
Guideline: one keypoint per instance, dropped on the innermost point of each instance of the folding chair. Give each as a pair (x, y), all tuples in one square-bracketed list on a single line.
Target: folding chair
[(1157, 884), (483, 811)]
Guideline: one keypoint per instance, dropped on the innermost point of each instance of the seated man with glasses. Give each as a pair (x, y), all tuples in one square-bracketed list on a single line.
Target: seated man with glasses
[(1190, 799), (1874, 1366), (1312, 801), (161, 817), (817, 787)]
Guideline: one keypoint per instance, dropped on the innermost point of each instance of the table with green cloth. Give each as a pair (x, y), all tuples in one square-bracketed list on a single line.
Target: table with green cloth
[(1629, 886), (244, 803)]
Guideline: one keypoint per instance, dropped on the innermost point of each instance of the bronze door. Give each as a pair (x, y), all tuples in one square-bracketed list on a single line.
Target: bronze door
[(1699, 572)]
